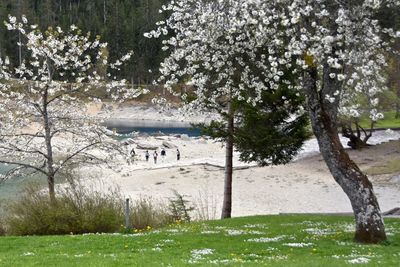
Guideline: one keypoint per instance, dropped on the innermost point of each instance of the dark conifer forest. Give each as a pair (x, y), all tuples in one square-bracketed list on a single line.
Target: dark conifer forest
[(120, 23)]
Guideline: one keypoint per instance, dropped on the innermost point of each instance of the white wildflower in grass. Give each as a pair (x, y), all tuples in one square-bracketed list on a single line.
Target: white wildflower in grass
[(208, 232), (253, 255), (204, 251), (298, 245), (257, 225), (28, 254), (289, 224), (233, 232), (319, 232), (266, 239), (102, 234), (360, 260), (198, 254), (167, 241), (134, 235), (347, 227), (277, 257), (78, 255), (158, 249), (172, 231), (176, 231), (254, 232)]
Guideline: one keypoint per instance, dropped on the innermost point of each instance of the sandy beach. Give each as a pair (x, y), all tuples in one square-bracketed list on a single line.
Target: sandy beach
[(304, 185)]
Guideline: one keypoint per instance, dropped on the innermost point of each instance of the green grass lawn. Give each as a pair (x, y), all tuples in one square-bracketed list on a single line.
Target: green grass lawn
[(388, 122), (248, 241)]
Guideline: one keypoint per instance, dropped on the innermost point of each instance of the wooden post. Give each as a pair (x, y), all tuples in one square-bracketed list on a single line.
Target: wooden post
[(127, 224)]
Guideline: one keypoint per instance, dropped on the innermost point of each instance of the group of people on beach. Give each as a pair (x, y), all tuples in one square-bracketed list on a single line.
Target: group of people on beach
[(155, 155)]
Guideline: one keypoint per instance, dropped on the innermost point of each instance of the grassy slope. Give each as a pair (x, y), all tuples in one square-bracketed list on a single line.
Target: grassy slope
[(329, 240), (388, 122)]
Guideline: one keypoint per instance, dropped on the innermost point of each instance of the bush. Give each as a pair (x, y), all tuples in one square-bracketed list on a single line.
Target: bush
[(180, 208), (146, 212), (76, 210), (79, 210), (2, 228)]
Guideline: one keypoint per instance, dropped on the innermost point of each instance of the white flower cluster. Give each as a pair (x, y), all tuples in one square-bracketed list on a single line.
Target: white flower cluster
[(298, 245), (198, 254), (228, 48)]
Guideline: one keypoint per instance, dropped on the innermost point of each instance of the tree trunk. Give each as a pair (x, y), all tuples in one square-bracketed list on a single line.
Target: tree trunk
[(19, 36), (397, 80), (52, 194), (369, 222), (227, 202), (104, 13), (398, 91), (49, 149), (355, 140)]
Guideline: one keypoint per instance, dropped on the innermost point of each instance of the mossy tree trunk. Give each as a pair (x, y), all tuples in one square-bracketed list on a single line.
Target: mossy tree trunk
[(323, 114)]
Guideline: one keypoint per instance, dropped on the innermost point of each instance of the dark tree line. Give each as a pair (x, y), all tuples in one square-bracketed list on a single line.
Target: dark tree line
[(121, 23)]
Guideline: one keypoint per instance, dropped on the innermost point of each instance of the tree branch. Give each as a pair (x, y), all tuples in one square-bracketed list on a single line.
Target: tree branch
[(26, 165), (74, 154)]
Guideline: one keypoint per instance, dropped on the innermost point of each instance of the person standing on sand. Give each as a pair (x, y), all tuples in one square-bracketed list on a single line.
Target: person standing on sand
[(147, 155), (163, 154), (133, 154), (155, 155), (178, 154)]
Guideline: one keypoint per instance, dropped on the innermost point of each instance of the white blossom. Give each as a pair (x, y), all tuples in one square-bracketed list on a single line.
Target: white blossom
[(266, 38)]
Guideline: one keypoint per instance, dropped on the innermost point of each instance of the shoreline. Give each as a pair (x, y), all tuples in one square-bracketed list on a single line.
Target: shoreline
[(302, 186)]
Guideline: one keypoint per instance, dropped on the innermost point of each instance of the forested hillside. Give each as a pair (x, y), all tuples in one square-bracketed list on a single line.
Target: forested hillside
[(121, 23)]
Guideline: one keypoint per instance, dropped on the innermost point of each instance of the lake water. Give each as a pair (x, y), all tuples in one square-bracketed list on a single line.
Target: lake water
[(9, 189), (126, 127)]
